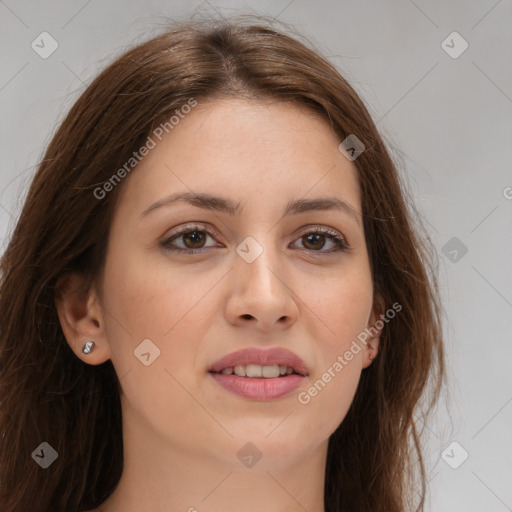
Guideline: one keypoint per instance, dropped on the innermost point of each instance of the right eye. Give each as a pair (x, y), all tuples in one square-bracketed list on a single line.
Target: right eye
[(195, 235)]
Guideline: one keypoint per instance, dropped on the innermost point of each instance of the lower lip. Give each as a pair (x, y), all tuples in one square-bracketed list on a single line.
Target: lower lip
[(259, 389)]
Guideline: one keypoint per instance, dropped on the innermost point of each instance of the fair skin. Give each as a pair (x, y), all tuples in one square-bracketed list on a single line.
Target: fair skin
[(181, 430)]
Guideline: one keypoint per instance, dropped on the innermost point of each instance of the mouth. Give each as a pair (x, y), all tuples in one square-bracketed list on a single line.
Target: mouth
[(260, 374), (269, 363), (256, 371)]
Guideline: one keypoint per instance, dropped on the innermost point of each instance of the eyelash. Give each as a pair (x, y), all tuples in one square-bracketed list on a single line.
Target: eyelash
[(341, 244)]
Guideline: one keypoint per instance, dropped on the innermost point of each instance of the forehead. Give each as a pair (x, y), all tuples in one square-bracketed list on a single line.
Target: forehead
[(257, 152)]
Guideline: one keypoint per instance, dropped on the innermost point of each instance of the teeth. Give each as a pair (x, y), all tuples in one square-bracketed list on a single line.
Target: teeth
[(240, 371), (257, 371), (269, 372), (254, 370)]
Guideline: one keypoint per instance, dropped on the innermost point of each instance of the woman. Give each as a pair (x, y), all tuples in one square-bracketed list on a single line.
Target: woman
[(215, 294)]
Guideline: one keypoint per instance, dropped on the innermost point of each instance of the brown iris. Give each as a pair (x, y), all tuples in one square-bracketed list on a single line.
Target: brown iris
[(196, 236), (313, 238)]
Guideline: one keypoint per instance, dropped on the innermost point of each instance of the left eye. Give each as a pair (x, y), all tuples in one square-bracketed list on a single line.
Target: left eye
[(195, 237), (318, 236)]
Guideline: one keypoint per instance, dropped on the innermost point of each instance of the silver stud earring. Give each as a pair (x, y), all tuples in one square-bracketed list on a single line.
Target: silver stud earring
[(87, 348)]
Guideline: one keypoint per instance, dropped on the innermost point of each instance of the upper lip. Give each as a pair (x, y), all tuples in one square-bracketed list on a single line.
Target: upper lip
[(262, 357)]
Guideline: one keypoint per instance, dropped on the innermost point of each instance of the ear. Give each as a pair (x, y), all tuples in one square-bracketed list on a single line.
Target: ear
[(374, 327), (81, 318)]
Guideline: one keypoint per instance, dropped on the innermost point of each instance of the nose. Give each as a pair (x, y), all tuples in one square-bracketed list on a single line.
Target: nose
[(262, 293)]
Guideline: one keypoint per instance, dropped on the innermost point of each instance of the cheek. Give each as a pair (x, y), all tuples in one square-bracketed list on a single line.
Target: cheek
[(172, 308), (154, 299), (341, 306), (327, 399), (342, 303)]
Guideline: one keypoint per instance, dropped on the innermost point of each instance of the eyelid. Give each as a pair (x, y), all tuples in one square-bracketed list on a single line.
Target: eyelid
[(193, 226)]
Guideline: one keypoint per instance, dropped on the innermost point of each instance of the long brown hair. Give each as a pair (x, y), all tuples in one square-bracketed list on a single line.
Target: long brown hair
[(49, 395)]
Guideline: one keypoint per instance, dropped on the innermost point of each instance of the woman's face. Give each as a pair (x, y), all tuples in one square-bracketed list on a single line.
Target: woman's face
[(255, 280)]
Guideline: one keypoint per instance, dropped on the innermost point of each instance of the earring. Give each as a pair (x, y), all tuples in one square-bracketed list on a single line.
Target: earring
[(88, 347), (371, 357)]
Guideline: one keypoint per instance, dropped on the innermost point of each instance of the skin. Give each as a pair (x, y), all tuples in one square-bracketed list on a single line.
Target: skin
[(181, 430)]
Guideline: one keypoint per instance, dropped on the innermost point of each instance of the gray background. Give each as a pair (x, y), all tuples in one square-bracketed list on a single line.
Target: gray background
[(447, 121)]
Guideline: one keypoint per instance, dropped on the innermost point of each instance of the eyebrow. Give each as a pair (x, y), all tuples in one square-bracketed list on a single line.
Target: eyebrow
[(220, 204)]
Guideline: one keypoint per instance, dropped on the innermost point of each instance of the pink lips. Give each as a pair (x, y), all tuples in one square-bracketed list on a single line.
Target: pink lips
[(263, 357), (260, 388)]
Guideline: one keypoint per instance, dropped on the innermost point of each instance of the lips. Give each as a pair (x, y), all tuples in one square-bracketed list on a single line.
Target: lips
[(262, 357)]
